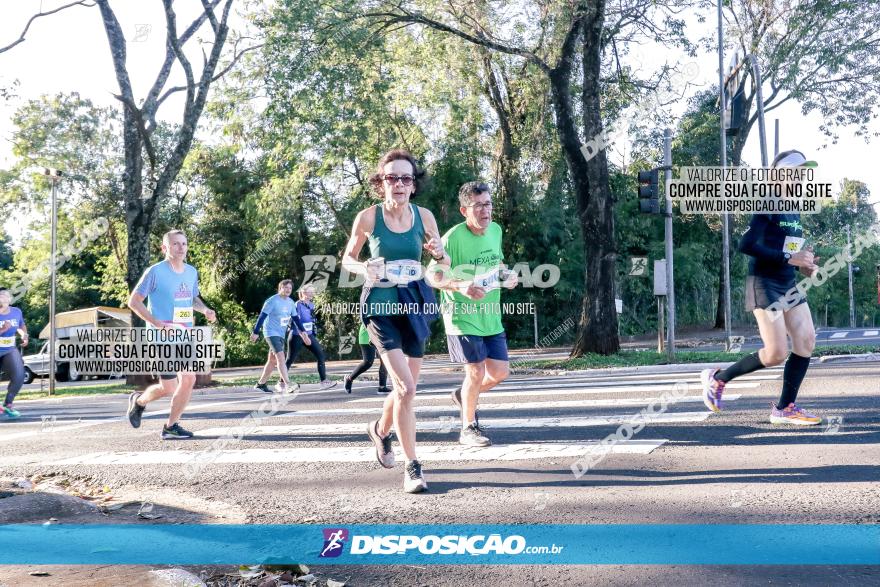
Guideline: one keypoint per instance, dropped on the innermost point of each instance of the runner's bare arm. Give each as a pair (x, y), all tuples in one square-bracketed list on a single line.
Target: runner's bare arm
[(364, 223), (22, 331), (200, 306), (433, 244), (136, 303)]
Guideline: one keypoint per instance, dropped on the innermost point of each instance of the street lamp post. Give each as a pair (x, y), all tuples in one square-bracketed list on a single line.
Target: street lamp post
[(54, 176)]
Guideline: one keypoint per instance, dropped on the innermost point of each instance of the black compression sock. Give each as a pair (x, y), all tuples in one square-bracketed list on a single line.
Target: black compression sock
[(792, 376), (741, 367)]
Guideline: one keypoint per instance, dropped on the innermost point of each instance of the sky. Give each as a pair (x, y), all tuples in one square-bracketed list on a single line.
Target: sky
[(67, 52)]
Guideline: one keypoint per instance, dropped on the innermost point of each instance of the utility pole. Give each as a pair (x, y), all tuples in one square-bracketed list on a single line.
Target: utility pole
[(849, 270), (725, 225), (670, 284), (54, 176), (775, 137)]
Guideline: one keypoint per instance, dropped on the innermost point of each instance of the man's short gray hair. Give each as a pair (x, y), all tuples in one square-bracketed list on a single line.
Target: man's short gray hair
[(470, 189)]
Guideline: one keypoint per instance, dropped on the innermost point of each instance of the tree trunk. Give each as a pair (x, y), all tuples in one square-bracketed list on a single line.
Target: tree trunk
[(598, 333), (597, 328), (507, 154)]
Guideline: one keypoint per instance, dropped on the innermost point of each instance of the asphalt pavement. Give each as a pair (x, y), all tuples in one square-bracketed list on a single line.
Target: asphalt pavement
[(311, 463)]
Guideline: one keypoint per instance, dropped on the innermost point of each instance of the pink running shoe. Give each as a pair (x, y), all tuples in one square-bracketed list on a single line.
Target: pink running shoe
[(793, 415), (712, 389)]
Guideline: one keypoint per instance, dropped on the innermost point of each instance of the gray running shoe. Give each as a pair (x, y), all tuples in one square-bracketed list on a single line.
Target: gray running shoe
[(384, 452), (135, 410), (473, 436), (413, 479), (175, 432)]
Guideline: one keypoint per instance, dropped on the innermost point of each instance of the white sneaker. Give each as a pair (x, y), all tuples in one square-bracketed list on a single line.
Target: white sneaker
[(327, 384), (413, 479), (289, 388)]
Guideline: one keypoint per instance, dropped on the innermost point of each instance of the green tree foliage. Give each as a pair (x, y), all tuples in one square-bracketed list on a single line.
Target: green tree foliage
[(298, 126)]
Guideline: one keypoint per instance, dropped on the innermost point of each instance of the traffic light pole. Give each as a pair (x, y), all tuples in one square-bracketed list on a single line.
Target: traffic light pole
[(725, 230), (670, 284), (849, 271)]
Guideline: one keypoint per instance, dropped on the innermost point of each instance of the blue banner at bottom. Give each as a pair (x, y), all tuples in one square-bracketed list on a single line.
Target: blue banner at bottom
[(735, 544)]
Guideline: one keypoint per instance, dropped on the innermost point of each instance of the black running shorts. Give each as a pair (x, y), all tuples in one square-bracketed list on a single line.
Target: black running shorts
[(762, 292), (395, 332)]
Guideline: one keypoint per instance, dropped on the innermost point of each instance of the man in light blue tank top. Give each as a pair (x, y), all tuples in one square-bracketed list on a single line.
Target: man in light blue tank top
[(172, 288)]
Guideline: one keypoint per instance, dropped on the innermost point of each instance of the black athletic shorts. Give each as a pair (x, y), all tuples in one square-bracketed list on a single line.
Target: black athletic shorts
[(395, 332), (763, 292)]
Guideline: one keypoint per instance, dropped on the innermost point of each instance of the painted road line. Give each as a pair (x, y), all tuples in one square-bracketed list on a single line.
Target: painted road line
[(450, 408), (631, 385), (427, 453), (767, 374), (871, 333), (541, 392), (60, 425), (801, 431), (444, 425), (838, 335)]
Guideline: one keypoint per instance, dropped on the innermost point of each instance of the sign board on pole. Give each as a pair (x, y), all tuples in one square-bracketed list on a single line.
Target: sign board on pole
[(660, 277)]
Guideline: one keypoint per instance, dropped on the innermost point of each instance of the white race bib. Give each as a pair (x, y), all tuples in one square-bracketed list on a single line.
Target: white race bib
[(184, 315), (307, 326), (403, 271), (7, 341), (792, 244), (489, 280), (285, 321)]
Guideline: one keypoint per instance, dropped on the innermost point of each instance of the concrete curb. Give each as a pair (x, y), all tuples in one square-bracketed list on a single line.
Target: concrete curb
[(860, 358)]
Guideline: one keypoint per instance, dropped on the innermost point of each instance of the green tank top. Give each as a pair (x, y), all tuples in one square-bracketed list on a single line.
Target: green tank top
[(393, 246)]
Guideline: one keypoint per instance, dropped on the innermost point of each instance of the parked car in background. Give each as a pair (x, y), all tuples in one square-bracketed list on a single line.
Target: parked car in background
[(37, 365)]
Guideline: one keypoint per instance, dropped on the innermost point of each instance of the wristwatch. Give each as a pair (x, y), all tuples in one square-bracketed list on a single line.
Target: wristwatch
[(786, 256)]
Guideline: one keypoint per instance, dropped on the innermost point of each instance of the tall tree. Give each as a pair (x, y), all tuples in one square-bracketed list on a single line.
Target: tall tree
[(147, 159), (567, 48), (823, 55), (578, 37)]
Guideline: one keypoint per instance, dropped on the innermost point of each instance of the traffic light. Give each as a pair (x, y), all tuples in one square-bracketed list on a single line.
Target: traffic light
[(734, 107), (649, 192)]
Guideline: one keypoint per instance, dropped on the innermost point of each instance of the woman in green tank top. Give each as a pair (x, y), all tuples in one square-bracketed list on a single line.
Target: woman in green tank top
[(398, 232)]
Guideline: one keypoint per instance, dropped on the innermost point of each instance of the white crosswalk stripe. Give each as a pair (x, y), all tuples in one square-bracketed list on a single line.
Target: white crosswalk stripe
[(571, 406), (427, 453), (559, 390), (441, 425), (490, 407)]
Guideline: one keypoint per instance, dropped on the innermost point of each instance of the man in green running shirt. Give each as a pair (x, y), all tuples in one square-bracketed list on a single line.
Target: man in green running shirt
[(471, 302)]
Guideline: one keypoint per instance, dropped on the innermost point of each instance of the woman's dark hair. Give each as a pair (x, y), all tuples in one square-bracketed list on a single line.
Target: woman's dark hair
[(376, 180)]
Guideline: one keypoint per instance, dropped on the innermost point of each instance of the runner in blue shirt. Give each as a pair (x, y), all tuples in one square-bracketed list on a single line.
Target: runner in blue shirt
[(305, 332), (11, 322), (172, 288), (274, 320)]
